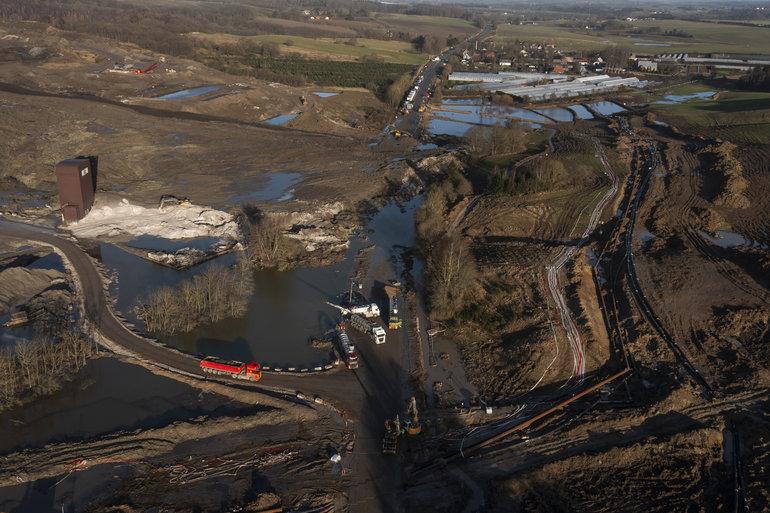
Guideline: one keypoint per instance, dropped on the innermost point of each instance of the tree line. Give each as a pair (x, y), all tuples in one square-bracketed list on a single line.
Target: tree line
[(450, 270), (40, 366)]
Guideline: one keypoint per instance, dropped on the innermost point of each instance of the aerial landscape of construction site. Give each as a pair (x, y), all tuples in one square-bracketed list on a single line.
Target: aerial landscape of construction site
[(339, 256)]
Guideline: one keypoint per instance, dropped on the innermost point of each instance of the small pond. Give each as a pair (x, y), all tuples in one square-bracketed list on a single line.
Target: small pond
[(324, 94), (281, 120), (673, 99), (189, 93), (606, 108)]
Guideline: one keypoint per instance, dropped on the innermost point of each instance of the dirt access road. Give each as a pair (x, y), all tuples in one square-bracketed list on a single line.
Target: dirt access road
[(359, 395)]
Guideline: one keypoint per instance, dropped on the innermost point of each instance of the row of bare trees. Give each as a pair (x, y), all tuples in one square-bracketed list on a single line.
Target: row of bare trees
[(40, 366), (215, 294), (450, 271)]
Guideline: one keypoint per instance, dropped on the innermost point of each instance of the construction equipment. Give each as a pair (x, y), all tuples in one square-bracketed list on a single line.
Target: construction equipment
[(421, 108), (394, 320), (368, 327), (147, 70), (396, 134), (413, 426), (348, 350), (231, 368), (390, 440)]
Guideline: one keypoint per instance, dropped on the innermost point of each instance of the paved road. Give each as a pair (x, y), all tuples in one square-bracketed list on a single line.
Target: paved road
[(410, 122)]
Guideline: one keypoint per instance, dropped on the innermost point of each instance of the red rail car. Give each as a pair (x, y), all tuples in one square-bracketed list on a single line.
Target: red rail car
[(234, 369)]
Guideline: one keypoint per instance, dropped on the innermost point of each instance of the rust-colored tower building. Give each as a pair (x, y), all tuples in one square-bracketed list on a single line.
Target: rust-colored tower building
[(76, 179)]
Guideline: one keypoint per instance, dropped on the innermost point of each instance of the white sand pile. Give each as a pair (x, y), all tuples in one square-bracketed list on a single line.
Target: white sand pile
[(171, 222)]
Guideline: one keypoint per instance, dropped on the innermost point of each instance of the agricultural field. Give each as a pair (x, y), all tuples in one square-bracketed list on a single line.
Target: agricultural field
[(336, 49), (438, 26), (706, 37), (737, 116), (563, 38)]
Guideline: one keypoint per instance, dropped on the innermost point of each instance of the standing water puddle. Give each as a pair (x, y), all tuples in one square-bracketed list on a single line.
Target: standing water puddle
[(189, 93), (324, 94), (275, 186), (673, 99), (281, 120), (287, 307), (725, 239)]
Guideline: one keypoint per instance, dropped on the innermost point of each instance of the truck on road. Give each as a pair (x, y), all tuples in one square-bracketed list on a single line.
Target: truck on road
[(347, 349), (368, 311), (368, 327), (394, 318), (231, 368)]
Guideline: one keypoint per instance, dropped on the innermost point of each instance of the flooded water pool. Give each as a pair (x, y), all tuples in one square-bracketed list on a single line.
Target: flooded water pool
[(581, 112), (276, 186), (446, 127), (726, 239), (324, 94), (287, 308), (485, 114), (190, 93), (606, 108), (100, 402), (281, 120), (556, 113), (673, 99)]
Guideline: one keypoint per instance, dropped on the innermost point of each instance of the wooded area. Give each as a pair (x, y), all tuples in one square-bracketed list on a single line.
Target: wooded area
[(215, 294)]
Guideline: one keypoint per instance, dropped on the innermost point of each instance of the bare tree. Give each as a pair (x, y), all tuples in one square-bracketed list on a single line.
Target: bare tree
[(451, 276)]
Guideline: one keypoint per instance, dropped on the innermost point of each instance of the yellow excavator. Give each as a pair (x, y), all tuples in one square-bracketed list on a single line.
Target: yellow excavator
[(413, 426)]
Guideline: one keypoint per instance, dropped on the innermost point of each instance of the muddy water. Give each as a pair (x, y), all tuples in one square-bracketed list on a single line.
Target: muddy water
[(287, 307), (99, 402), (275, 186)]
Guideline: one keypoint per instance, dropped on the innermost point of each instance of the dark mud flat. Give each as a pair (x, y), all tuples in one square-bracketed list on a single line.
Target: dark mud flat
[(107, 396)]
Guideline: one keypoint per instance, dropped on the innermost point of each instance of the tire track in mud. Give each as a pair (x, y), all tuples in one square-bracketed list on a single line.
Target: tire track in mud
[(553, 270), (653, 162), (724, 268)]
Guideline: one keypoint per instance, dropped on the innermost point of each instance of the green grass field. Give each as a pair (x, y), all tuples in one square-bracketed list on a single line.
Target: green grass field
[(737, 116), (707, 37), (396, 52)]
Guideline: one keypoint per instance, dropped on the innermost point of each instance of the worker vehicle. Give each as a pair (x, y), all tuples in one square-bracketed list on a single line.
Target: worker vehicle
[(394, 319), (396, 134), (348, 350), (368, 327), (147, 70), (421, 108), (368, 311), (231, 368)]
